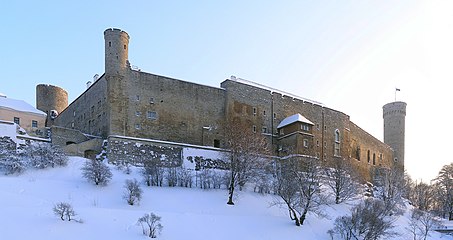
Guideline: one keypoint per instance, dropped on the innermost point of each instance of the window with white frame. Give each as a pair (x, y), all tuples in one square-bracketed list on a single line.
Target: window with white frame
[(305, 127)]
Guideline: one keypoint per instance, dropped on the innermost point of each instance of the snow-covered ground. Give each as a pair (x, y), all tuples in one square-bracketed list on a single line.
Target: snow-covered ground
[(26, 211)]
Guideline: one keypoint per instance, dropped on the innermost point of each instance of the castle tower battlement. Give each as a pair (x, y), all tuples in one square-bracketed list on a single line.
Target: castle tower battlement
[(394, 114), (51, 100), (116, 50)]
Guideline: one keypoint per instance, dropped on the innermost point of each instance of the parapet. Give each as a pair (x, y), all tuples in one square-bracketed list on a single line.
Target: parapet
[(394, 108), (116, 31)]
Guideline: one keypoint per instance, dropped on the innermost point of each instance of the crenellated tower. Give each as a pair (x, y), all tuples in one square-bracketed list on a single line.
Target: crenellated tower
[(116, 51), (117, 69), (394, 129)]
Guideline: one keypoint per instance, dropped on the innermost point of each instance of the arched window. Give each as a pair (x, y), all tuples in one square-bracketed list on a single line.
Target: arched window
[(337, 143)]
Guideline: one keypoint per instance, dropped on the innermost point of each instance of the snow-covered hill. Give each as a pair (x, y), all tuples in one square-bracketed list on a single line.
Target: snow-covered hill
[(26, 211)]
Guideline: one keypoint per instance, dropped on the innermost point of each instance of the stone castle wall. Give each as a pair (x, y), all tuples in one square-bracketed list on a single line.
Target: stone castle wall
[(162, 108), (89, 112), (130, 103)]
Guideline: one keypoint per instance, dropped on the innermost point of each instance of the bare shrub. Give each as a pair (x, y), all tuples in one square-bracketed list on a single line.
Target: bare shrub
[(369, 220), (97, 172), (150, 224), (64, 211), (132, 192)]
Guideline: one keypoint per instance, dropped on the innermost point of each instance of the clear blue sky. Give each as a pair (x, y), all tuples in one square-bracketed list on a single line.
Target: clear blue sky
[(349, 55)]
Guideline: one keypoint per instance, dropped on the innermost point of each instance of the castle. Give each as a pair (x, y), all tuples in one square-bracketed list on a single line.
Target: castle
[(125, 103)]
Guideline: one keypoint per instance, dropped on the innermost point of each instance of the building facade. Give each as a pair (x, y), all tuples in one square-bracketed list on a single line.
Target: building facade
[(23, 114), (130, 103)]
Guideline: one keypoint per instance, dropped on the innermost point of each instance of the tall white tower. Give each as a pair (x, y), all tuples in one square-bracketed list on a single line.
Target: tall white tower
[(394, 125)]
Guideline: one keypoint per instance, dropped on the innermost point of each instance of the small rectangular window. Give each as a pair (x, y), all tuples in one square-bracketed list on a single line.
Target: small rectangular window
[(34, 123), (216, 143), (152, 115), (17, 120), (305, 127)]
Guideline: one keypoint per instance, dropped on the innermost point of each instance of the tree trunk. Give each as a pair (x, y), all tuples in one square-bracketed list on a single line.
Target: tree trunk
[(302, 218), (230, 194), (293, 216), (231, 189)]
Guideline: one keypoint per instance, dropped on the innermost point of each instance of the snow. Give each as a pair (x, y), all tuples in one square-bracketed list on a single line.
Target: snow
[(187, 213), (272, 90), (18, 105), (9, 129), (292, 119)]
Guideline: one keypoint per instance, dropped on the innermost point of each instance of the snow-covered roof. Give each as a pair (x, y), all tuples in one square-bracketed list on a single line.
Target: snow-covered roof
[(18, 105), (292, 119), (272, 90)]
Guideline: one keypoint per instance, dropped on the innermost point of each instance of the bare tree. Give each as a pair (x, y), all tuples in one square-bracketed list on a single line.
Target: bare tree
[(153, 171), (369, 220), (64, 211), (151, 225), (132, 191), (421, 224), (422, 196), (171, 174), (299, 186), (185, 177), (389, 187), (244, 155), (340, 179), (443, 187), (97, 172)]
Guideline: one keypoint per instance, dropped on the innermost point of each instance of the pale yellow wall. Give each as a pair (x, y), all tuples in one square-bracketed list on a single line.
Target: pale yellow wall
[(25, 119)]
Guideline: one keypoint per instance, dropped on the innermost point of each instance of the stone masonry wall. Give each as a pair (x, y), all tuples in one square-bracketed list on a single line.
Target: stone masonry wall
[(167, 109), (88, 113), (137, 151)]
